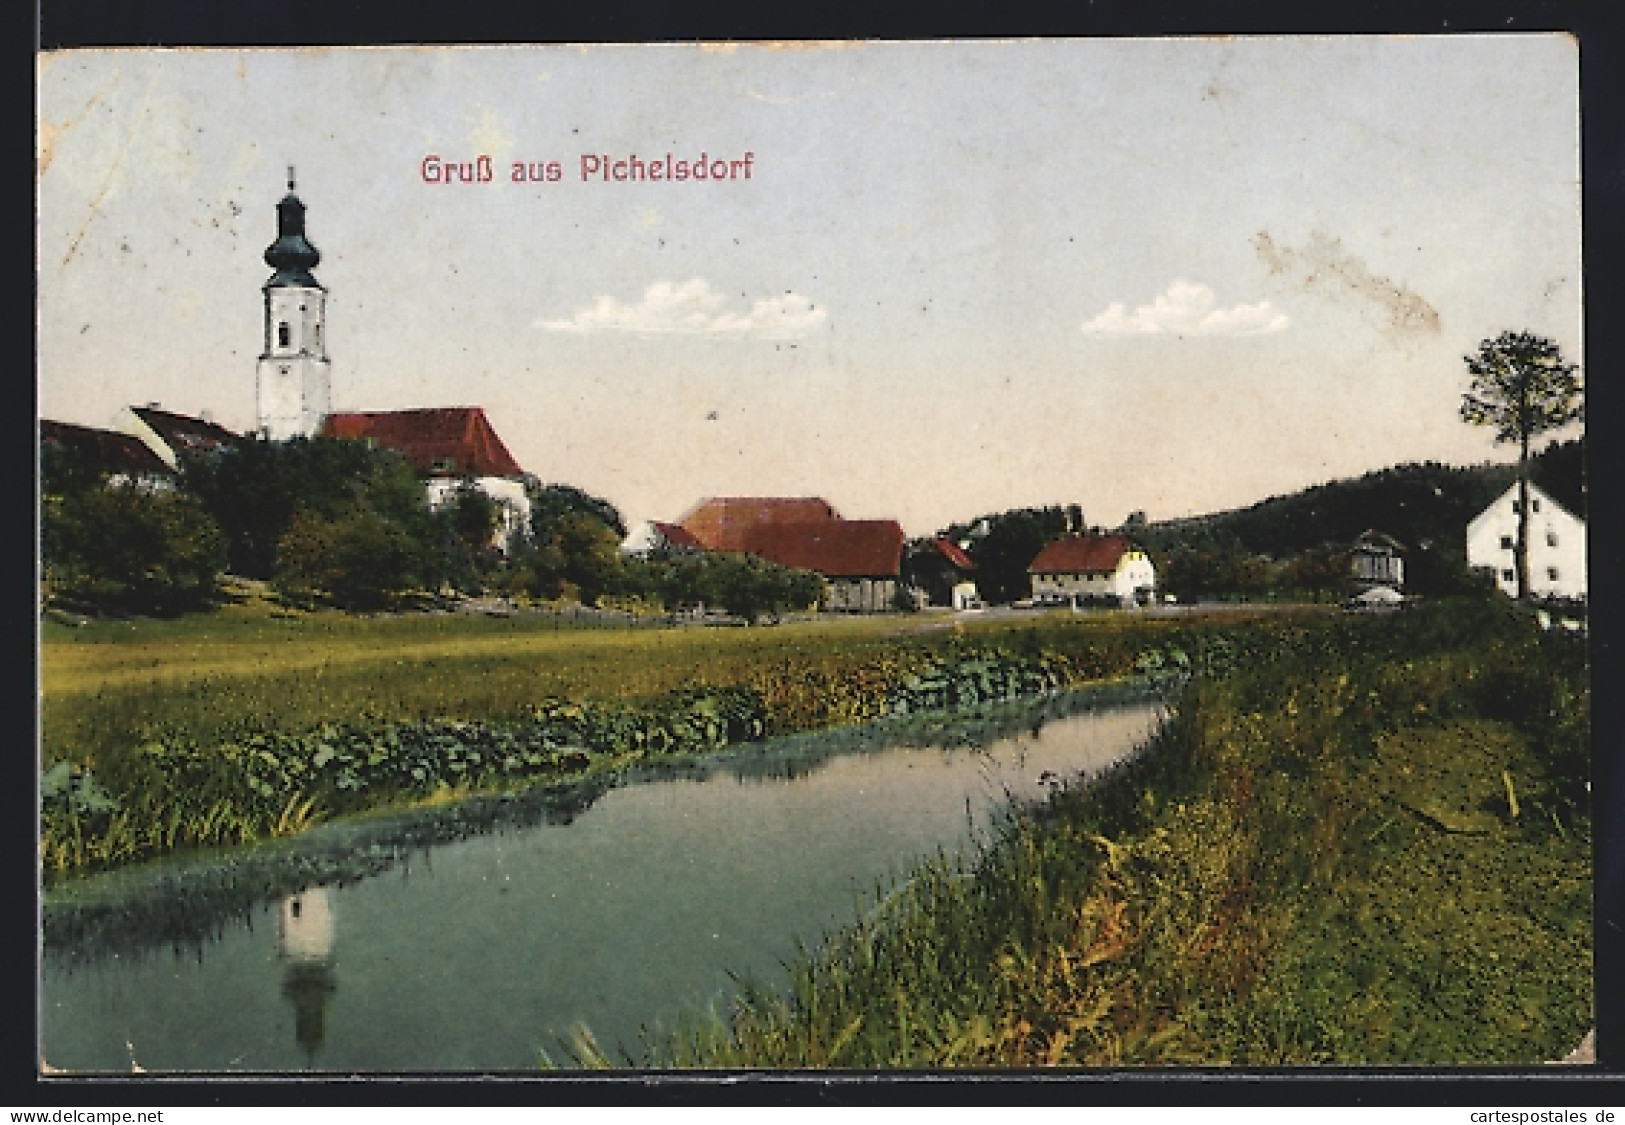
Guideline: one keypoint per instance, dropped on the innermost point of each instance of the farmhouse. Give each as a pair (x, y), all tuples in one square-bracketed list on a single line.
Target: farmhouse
[(1092, 568), (1557, 545), (860, 560), (447, 446)]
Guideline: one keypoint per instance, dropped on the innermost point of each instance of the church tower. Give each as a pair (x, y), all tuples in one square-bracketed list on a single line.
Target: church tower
[(294, 387)]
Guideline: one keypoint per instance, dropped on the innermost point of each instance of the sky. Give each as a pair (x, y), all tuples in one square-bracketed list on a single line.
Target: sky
[(1159, 275)]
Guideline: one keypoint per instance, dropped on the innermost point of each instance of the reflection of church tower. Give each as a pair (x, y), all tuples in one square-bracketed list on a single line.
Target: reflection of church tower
[(304, 942), (294, 391)]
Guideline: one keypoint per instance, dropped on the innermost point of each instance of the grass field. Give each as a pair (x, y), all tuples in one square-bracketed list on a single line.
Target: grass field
[(248, 723), (108, 684)]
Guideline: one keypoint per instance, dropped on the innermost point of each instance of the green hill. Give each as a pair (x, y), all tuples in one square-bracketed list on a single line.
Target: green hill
[(1426, 505)]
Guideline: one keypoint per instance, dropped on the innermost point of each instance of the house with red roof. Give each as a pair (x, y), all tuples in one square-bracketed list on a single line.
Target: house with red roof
[(859, 560), (943, 573), (1083, 569), (654, 537), (448, 447)]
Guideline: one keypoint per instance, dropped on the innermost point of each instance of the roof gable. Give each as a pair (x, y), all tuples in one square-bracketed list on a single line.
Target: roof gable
[(1081, 554), (441, 441), (183, 433), (677, 537), (1508, 500), (954, 553)]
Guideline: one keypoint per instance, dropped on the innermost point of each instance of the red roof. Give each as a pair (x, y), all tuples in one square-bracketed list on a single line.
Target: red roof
[(453, 441), (834, 548), (1081, 554), (114, 452), (182, 432), (678, 536), (955, 554), (725, 523)]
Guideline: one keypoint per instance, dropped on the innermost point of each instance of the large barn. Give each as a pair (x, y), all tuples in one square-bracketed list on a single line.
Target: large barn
[(859, 560)]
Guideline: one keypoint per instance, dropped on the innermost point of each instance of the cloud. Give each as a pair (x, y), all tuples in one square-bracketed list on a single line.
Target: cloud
[(694, 309), (1186, 309)]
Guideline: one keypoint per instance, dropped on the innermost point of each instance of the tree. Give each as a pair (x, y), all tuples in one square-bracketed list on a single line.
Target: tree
[(131, 549), (1522, 388), (254, 491), (359, 559), (1010, 542)]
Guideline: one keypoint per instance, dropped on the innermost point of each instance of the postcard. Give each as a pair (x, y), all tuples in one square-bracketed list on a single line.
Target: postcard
[(827, 555)]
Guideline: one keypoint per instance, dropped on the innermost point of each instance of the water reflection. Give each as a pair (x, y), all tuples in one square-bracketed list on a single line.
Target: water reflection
[(193, 903), (652, 907), (304, 945)]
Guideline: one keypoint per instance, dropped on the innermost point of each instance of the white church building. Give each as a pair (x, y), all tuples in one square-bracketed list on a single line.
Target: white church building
[(293, 393), (1557, 546)]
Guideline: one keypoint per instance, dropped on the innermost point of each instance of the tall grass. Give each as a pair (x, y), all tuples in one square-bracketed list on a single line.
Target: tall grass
[(1315, 862)]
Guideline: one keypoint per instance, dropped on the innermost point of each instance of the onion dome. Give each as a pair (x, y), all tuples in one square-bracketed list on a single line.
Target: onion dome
[(292, 255)]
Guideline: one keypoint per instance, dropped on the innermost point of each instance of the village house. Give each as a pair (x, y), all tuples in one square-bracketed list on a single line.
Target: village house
[(168, 435), (943, 573), (1377, 560), (1081, 569), (125, 459), (653, 537), (1557, 546), (859, 560)]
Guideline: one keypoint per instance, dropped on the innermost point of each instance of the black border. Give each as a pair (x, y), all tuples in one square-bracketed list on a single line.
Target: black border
[(1598, 26)]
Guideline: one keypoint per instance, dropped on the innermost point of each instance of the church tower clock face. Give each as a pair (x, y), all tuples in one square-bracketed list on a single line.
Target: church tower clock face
[(293, 394)]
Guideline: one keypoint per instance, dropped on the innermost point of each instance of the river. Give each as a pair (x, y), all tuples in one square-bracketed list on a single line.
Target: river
[(633, 909)]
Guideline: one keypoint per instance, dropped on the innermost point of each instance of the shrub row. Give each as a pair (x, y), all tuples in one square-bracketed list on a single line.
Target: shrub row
[(178, 793)]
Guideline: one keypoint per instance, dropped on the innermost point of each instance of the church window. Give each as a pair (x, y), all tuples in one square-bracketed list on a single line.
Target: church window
[(1551, 539), (1551, 573), (282, 334)]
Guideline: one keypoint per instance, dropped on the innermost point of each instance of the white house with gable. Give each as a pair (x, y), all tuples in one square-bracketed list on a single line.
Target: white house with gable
[(1093, 568), (1557, 545)]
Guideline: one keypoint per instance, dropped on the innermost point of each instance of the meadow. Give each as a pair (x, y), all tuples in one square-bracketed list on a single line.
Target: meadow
[(245, 724), (1365, 841)]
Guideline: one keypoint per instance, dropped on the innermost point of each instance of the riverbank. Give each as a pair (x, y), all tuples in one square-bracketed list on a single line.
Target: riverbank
[(1368, 843), (186, 901), (160, 737)]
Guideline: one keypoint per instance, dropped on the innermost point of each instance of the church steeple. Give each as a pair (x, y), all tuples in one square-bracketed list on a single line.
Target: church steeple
[(291, 255), (293, 387)]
